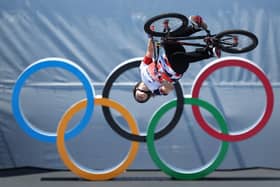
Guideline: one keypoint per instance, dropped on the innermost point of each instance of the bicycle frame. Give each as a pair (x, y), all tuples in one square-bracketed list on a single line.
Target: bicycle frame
[(201, 37), (176, 38), (180, 39)]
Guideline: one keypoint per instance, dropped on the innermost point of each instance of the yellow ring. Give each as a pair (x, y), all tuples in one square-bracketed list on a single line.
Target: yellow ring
[(75, 168)]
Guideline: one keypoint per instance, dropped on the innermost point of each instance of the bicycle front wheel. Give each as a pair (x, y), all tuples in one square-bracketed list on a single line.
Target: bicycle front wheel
[(166, 24), (237, 41)]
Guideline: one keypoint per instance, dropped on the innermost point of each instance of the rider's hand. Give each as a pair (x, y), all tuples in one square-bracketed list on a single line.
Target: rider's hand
[(152, 27), (198, 22), (166, 87)]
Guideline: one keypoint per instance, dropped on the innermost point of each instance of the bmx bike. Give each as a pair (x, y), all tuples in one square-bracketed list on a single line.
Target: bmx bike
[(171, 27)]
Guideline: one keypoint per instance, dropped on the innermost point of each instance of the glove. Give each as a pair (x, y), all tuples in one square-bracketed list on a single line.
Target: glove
[(197, 22)]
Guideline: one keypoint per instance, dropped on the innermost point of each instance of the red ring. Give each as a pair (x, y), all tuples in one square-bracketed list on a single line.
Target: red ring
[(243, 63)]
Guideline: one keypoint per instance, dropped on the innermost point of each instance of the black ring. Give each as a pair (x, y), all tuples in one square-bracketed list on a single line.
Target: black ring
[(116, 127)]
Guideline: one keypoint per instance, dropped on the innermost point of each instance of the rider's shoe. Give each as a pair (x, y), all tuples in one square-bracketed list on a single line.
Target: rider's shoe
[(216, 51), (197, 22)]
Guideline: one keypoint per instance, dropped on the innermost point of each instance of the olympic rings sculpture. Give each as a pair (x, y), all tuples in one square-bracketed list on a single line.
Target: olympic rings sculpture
[(91, 101)]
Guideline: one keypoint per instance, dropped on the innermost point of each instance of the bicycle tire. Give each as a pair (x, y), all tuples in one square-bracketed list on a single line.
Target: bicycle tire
[(180, 17), (233, 49), (117, 127)]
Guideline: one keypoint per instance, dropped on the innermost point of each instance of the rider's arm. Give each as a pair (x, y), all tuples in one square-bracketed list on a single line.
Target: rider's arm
[(165, 88), (149, 53), (150, 49)]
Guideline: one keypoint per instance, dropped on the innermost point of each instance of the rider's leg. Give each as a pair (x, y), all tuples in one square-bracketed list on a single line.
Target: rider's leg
[(179, 61), (189, 30), (198, 54), (202, 53)]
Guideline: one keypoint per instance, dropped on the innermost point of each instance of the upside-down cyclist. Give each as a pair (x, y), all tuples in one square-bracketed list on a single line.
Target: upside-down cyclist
[(157, 78)]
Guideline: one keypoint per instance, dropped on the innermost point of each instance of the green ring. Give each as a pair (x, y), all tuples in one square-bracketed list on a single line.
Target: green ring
[(196, 173)]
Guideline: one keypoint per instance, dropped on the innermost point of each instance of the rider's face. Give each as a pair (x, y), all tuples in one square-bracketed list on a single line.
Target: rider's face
[(140, 92)]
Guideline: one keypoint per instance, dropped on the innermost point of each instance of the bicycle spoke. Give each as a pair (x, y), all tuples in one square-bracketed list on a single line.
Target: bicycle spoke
[(236, 41)]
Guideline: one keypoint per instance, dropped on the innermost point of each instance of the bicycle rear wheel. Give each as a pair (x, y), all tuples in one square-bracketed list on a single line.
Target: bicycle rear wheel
[(237, 41), (163, 24)]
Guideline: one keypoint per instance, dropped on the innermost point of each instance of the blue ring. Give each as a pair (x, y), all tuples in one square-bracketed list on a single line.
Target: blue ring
[(48, 63)]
